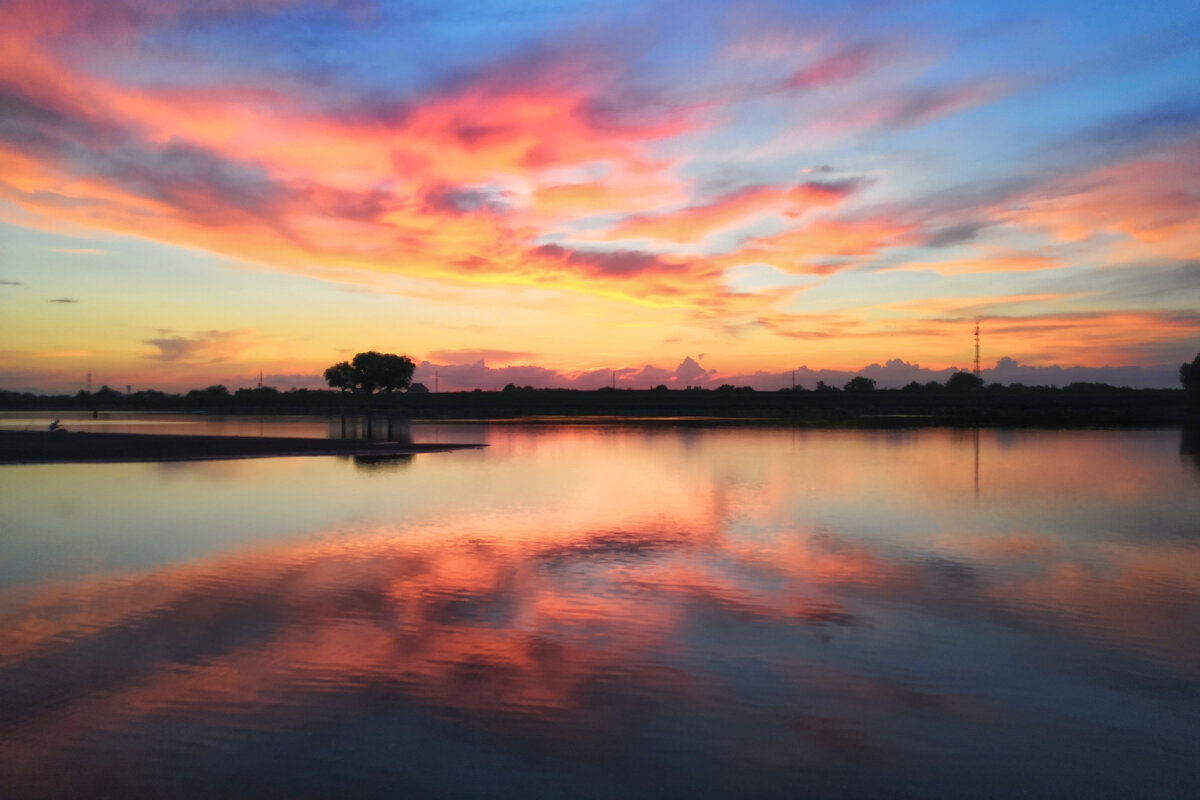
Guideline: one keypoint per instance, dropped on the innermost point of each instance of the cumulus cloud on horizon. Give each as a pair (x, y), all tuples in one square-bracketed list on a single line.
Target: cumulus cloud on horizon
[(892, 374)]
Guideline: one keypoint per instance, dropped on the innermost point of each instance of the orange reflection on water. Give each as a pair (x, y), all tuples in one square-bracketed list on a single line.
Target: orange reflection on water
[(754, 595)]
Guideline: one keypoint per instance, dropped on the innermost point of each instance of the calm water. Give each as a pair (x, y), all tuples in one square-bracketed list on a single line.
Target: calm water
[(610, 612)]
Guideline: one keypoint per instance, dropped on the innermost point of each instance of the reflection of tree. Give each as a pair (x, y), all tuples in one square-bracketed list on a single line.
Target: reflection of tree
[(369, 428), (1189, 442), (381, 464)]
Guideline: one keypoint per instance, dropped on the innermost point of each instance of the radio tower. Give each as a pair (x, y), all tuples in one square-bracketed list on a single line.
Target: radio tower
[(977, 348)]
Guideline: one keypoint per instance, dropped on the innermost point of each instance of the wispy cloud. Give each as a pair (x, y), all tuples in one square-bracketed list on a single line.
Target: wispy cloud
[(693, 223), (79, 251), (64, 300), (823, 245), (1150, 202), (208, 347)]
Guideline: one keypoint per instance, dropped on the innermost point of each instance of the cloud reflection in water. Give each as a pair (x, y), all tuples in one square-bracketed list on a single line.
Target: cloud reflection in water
[(724, 654)]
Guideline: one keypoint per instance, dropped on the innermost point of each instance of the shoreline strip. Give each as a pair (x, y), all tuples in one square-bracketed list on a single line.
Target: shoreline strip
[(46, 447)]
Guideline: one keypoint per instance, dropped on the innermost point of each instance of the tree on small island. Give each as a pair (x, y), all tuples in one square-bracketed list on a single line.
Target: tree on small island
[(371, 371)]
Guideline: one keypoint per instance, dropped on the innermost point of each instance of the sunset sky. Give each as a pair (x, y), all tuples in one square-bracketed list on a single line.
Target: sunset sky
[(194, 191)]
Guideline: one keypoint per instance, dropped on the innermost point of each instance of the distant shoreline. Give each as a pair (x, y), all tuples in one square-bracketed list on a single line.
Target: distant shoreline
[(1083, 405), (45, 447)]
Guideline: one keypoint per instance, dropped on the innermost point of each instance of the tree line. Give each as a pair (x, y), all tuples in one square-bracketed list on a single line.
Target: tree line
[(373, 374)]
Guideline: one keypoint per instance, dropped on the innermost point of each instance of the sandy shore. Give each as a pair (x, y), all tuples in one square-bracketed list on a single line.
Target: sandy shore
[(42, 447)]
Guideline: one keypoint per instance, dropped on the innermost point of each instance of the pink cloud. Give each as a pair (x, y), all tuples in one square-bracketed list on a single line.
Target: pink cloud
[(839, 67), (693, 223)]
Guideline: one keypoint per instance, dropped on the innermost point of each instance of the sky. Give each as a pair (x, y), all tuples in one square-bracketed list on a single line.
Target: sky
[(582, 193)]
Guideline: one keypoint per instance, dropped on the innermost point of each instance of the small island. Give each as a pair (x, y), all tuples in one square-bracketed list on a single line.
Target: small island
[(47, 447)]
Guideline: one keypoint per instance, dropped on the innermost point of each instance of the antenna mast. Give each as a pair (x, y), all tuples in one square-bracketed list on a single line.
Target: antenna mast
[(976, 348)]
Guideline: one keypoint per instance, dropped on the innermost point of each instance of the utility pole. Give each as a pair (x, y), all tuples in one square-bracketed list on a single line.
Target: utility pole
[(435, 381), (976, 348), (614, 379), (793, 380), (89, 381), (260, 379)]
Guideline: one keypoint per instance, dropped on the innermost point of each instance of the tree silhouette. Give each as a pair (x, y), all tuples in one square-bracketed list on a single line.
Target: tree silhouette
[(341, 376), (964, 382), (860, 383), (1189, 376), (371, 371), (215, 392)]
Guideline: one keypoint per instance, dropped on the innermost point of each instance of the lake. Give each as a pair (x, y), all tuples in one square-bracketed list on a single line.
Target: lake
[(607, 611)]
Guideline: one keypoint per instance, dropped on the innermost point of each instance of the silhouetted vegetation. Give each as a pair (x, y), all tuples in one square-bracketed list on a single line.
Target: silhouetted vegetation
[(1189, 377), (211, 394), (369, 372), (964, 382), (1081, 404), (369, 384)]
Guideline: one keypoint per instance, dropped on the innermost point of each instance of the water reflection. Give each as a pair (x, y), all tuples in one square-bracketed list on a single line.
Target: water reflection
[(376, 427), (623, 613), (380, 428), (381, 464), (1189, 443)]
